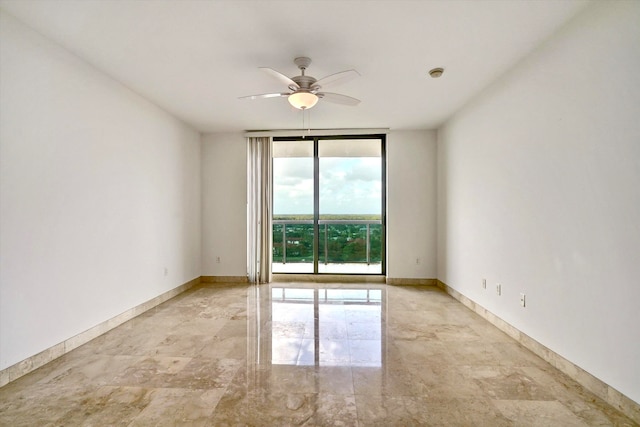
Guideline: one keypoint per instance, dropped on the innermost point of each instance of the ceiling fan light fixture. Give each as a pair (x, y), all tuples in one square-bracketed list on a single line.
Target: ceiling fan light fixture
[(303, 100)]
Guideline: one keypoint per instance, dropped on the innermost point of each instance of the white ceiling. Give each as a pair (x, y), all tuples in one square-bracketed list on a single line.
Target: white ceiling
[(194, 58)]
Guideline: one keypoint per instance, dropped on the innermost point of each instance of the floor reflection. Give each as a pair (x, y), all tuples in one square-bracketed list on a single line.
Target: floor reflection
[(323, 326)]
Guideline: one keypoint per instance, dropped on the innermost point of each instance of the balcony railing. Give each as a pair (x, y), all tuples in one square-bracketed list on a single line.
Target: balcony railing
[(340, 241)]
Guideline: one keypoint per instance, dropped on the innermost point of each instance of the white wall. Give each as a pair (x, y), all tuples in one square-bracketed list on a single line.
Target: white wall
[(411, 200), (539, 190), (99, 193), (224, 205), (411, 204)]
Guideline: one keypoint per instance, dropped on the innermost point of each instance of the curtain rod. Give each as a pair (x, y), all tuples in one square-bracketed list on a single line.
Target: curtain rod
[(316, 132)]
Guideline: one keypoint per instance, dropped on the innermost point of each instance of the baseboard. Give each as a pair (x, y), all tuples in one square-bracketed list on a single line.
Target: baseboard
[(596, 386), (408, 282), (224, 279), (34, 362)]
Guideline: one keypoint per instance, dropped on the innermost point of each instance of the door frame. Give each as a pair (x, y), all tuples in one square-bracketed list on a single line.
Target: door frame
[(316, 196)]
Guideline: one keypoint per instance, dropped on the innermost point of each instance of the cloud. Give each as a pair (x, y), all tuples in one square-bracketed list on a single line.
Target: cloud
[(367, 169), (293, 167), (347, 185), (293, 185), (350, 186)]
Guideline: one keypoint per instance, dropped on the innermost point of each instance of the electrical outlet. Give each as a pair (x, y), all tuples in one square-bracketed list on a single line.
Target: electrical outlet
[(417, 260), (499, 289), (484, 283), (166, 271), (522, 300), (217, 260)]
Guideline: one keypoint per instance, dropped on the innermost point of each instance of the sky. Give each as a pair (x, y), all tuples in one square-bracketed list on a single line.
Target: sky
[(349, 185)]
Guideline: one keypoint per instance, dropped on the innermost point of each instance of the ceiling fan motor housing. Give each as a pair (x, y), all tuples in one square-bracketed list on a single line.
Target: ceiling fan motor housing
[(305, 82)]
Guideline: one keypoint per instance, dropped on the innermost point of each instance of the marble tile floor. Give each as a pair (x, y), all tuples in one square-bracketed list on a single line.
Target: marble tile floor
[(303, 354)]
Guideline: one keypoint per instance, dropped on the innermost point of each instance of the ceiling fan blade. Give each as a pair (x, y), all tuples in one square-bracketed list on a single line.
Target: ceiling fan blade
[(266, 95), (281, 77), (339, 98), (337, 78)]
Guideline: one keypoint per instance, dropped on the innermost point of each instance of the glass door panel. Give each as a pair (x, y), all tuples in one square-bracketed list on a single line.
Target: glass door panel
[(350, 206), (293, 206)]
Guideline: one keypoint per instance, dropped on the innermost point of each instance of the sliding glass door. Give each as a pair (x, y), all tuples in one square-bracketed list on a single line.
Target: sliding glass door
[(328, 211)]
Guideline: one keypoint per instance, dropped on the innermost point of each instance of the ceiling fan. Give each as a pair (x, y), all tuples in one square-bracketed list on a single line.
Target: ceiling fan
[(305, 91)]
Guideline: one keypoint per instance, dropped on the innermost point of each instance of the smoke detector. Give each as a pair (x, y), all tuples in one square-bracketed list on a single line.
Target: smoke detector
[(436, 72)]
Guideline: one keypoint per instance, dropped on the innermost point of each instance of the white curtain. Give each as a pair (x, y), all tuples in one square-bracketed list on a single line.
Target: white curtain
[(259, 191)]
